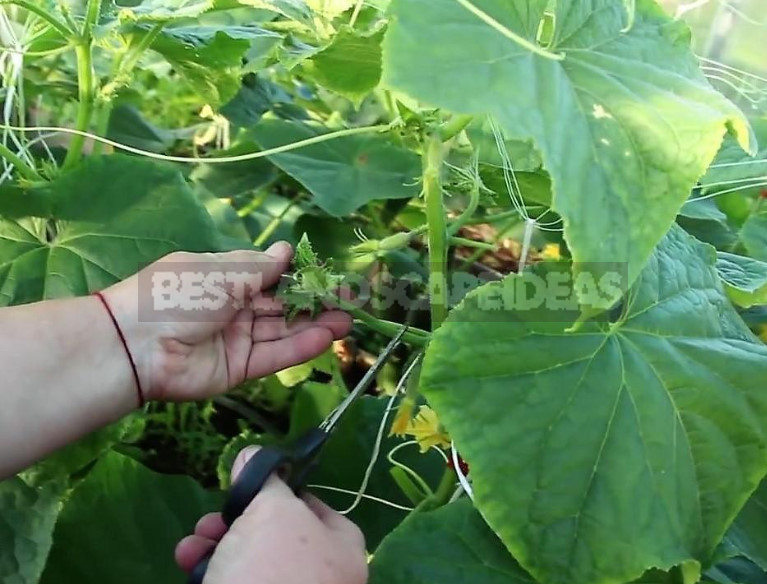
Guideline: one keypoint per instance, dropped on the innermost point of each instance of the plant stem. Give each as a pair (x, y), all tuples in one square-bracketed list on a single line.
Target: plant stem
[(102, 125), (24, 169), (413, 336), (455, 126), (462, 241), (356, 13), (85, 83), (508, 33), (273, 225), (435, 217), (92, 12), (468, 213), (442, 495), (59, 26), (85, 98)]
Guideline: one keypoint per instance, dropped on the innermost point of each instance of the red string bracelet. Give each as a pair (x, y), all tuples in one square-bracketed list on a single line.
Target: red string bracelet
[(141, 400)]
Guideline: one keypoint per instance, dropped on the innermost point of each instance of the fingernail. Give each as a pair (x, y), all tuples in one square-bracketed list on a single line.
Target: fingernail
[(279, 249)]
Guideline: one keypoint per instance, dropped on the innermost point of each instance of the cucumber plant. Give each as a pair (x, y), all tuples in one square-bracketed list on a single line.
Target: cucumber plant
[(605, 391)]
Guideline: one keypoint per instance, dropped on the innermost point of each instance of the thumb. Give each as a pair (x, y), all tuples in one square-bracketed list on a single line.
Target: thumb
[(274, 486)]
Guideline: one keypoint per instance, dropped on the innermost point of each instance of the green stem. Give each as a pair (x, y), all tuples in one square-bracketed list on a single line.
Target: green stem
[(413, 336), (468, 213), (455, 126), (442, 495), (435, 217), (24, 169), (59, 26), (462, 241), (85, 98), (508, 33), (273, 225), (92, 13), (143, 45), (356, 13), (102, 125)]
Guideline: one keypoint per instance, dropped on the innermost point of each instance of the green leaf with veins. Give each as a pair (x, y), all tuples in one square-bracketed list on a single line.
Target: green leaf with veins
[(621, 446), (450, 545), (159, 10), (625, 122), (122, 523), (748, 534), (346, 173), (27, 518), (94, 226), (753, 234), (521, 155), (210, 57), (745, 279), (350, 65)]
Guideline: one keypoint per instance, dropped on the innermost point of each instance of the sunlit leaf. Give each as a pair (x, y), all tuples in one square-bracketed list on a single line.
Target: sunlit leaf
[(621, 446), (625, 121)]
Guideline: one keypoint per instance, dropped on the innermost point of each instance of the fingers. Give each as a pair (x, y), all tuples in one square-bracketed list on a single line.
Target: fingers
[(274, 328), (270, 357), (273, 487), (211, 526), (336, 522), (269, 265), (191, 550)]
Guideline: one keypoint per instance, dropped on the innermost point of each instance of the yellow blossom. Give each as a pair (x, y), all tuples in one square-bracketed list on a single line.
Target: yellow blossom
[(403, 418), (551, 252), (427, 430)]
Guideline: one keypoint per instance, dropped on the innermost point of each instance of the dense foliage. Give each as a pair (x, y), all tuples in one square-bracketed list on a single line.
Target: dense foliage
[(605, 390)]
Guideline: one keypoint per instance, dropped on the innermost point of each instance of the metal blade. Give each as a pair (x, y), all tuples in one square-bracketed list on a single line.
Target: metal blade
[(332, 421)]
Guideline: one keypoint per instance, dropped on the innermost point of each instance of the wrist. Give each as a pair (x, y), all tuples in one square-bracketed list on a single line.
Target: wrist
[(139, 341)]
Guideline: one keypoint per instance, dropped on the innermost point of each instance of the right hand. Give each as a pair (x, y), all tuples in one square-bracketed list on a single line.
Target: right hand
[(279, 539)]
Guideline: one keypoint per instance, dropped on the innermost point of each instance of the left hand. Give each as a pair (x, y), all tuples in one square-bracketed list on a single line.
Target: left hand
[(195, 354)]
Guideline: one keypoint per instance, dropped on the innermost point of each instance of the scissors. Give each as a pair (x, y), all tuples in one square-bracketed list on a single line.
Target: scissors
[(292, 464)]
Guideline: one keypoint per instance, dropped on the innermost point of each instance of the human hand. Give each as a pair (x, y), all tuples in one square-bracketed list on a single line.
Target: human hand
[(196, 354), (279, 539)]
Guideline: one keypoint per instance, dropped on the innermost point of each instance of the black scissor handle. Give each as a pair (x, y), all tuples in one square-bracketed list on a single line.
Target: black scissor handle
[(252, 479), (292, 465), (245, 488)]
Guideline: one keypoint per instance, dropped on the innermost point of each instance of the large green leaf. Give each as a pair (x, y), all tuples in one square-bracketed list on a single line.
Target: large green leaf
[(94, 226), (27, 517), (753, 234), (350, 65), (600, 453), (345, 173), (748, 534), (744, 278), (210, 57), (451, 545), (77, 456), (625, 122), (122, 523)]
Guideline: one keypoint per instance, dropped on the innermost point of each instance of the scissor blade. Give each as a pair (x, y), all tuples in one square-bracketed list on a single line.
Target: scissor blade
[(332, 421)]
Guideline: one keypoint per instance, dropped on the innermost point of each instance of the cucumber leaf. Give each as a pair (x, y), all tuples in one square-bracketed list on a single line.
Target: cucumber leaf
[(622, 446), (27, 518), (624, 119), (350, 65), (98, 224), (748, 534), (745, 279), (451, 545), (346, 173), (102, 531), (210, 57)]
